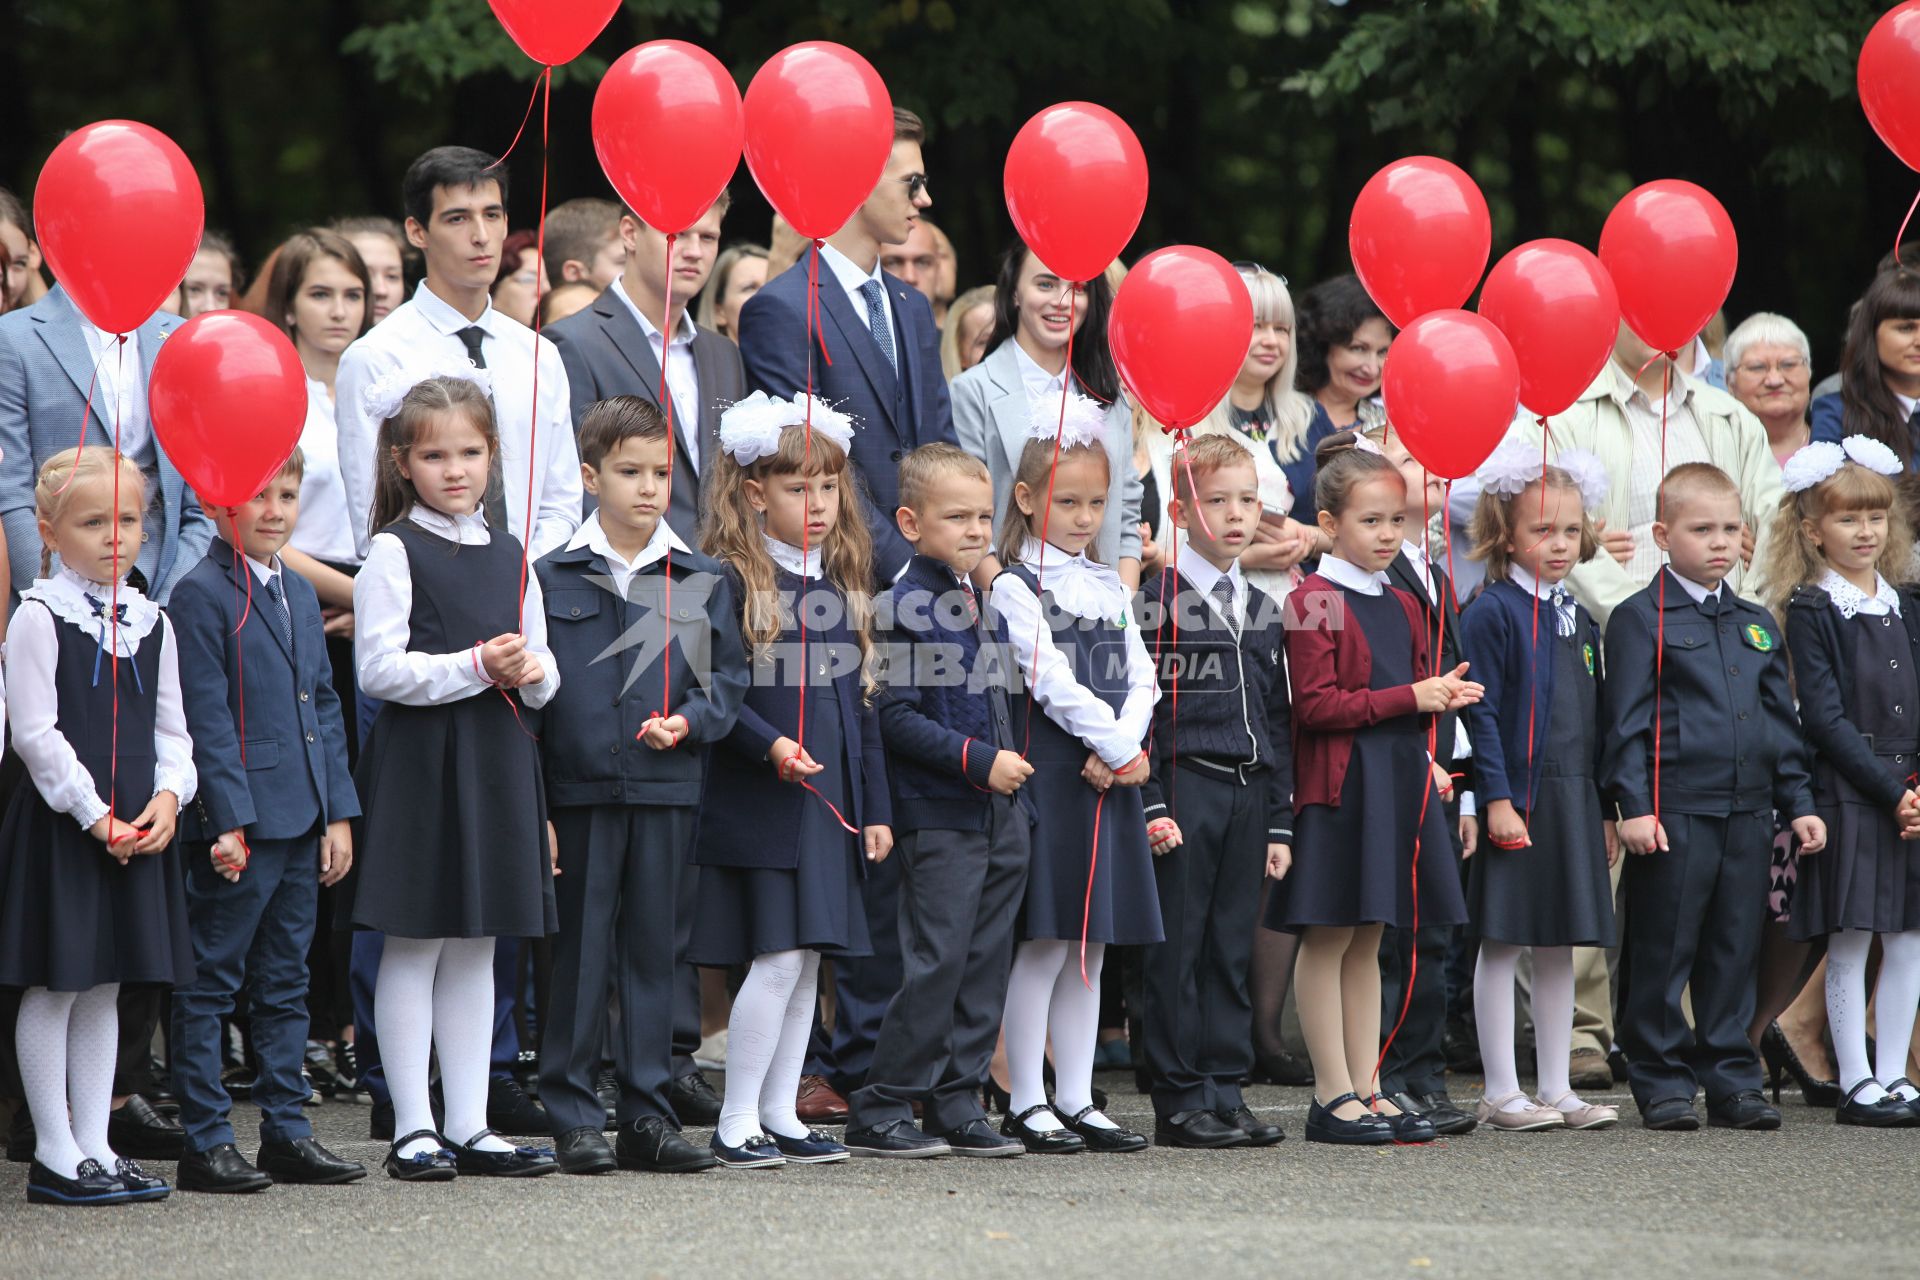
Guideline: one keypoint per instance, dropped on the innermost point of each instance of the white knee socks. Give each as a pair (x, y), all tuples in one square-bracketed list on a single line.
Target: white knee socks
[(755, 1032), (1493, 1015), (40, 1039), (436, 991), (1847, 1009), (779, 1095), (1898, 1001)]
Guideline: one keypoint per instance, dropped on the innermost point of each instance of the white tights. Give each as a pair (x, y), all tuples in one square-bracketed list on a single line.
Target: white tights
[(1493, 1011), (1893, 1017), (767, 1046), (437, 993), (67, 1043), (1045, 993)]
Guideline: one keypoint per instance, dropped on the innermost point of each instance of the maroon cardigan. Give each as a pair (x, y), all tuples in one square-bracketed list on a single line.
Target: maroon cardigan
[(1330, 665)]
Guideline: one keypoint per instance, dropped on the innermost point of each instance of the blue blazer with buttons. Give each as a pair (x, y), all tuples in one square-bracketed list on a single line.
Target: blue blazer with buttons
[(1848, 765), (295, 773), (611, 659)]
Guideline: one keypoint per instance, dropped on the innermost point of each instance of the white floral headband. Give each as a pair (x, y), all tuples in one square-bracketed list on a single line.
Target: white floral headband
[(1513, 466), (750, 428), (1821, 461), (1081, 423), (383, 396)]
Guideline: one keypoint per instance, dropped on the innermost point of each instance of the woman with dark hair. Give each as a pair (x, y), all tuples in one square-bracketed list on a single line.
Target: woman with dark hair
[(1879, 392), (21, 283), (1034, 314), (522, 281), (1343, 338)]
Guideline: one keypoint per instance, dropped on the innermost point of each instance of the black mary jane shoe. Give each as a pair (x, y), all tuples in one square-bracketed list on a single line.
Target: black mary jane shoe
[(91, 1184), (1042, 1142), (1891, 1112), (1409, 1127), (1913, 1104), (436, 1165), (1369, 1130), (520, 1162), (1099, 1138)]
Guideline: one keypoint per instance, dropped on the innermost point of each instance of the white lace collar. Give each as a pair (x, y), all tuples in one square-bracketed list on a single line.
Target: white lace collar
[(788, 557), (1849, 599), (84, 603), (1345, 573), (1079, 586)]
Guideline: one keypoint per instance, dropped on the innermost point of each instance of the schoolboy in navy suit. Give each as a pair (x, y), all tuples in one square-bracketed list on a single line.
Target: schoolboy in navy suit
[(270, 826), (624, 777), (963, 822)]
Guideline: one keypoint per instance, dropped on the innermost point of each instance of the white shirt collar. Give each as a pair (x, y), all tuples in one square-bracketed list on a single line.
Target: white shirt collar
[(848, 272), (443, 316), (1200, 573), (78, 600), (1694, 589), (1908, 405), (1533, 586), (789, 557), (1345, 573), (683, 332), (593, 535), (451, 526), (1625, 389), (1037, 381), (263, 572), (1849, 599), (1079, 586)]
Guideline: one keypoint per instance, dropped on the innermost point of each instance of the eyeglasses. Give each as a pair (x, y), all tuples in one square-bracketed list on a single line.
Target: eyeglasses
[(916, 183), (1250, 266), (1787, 367)]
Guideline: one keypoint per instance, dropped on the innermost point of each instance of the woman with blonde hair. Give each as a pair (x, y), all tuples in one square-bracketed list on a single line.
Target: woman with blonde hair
[(737, 276), (963, 338)]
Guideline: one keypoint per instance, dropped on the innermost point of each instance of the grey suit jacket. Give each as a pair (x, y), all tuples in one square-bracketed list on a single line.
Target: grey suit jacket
[(608, 354), (45, 368), (990, 417)]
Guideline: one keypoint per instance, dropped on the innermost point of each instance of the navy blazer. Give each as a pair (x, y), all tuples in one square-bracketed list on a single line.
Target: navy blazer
[(746, 808), (45, 369), (894, 414), (611, 660), (295, 776), (1729, 739), (1497, 632), (1443, 628), (1849, 766)]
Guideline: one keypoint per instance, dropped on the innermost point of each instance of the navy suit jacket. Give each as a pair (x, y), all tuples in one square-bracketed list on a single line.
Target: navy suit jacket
[(295, 773), (893, 414), (45, 368)]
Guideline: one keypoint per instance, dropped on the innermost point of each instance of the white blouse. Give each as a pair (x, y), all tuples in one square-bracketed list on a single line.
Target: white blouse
[(325, 529), (1085, 589), (33, 653), (383, 605)]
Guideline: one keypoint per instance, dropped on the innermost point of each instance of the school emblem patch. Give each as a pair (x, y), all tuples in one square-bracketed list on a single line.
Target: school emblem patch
[(1586, 651), (1759, 637)]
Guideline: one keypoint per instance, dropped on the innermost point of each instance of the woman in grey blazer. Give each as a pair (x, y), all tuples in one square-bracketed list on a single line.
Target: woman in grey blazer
[(1027, 360)]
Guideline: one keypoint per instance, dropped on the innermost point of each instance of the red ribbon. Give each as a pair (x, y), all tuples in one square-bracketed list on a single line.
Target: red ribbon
[(1901, 234), (1046, 516), (1660, 624), (666, 399)]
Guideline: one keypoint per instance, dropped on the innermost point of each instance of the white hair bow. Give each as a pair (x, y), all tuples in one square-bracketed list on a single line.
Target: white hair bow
[(1079, 423), (1820, 461), (1513, 466), (383, 396), (750, 428)]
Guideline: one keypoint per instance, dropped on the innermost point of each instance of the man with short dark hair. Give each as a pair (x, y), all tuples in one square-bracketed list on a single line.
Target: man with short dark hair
[(583, 242)]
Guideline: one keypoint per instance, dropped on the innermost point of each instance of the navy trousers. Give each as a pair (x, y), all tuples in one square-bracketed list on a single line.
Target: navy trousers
[(251, 933)]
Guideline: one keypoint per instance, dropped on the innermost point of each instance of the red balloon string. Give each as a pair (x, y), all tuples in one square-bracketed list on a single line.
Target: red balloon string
[(533, 422), (1182, 457), (1660, 623), (240, 668), (113, 592), (1901, 234), (666, 398), (120, 340), (1086, 909), (1533, 651), (1046, 515), (546, 77)]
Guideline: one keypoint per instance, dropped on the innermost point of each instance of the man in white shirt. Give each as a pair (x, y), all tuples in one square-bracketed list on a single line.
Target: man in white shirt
[(456, 216)]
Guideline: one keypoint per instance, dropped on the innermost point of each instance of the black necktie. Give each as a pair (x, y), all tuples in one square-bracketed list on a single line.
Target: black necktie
[(281, 617), (494, 502), (1711, 605)]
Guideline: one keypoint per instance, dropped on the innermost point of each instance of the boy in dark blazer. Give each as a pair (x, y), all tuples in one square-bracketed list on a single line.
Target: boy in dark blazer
[(269, 828), (624, 774), (1697, 807), (963, 823), (1219, 802)]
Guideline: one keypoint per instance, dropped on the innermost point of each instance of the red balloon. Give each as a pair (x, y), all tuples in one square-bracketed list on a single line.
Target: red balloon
[(1179, 328), (1420, 237), (228, 397), (1558, 308), (119, 213), (667, 128), (1451, 388), (819, 131), (552, 32), (1890, 80), (1670, 248), (1076, 184)]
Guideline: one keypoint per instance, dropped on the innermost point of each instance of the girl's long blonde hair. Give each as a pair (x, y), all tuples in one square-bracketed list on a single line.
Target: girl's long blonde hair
[(732, 531), (54, 488), (1793, 560)]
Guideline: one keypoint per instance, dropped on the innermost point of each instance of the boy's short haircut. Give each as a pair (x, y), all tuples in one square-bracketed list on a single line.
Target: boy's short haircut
[(925, 465), (720, 206), (295, 466), (457, 169), (1206, 455), (1692, 480), (614, 420), (578, 230)]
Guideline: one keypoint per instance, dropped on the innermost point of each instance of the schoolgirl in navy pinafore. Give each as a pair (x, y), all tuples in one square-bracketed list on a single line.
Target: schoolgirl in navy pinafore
[(71, 916)]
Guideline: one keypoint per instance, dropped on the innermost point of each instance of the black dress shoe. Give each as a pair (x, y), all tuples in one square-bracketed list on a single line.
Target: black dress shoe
[(1447, 1119), (1259, 1132), (1042, 1142), (894, 1140), (221, 1169), (1282, 1068), (1743, 1110), (433, 1165), (584, 1150), (694, 1100), (510, 1110), (139, 1132), (305, 1161), (1198, 1131), (1099, 1138), (1368, 1130), (380, 1122), (1460, 1046), (1888, 1113), (21, 1138), (518, 1162), (653, 1144), (140, 1184), (90, 1184), (607, 1089), (1671, 1115), (977, 1138)]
